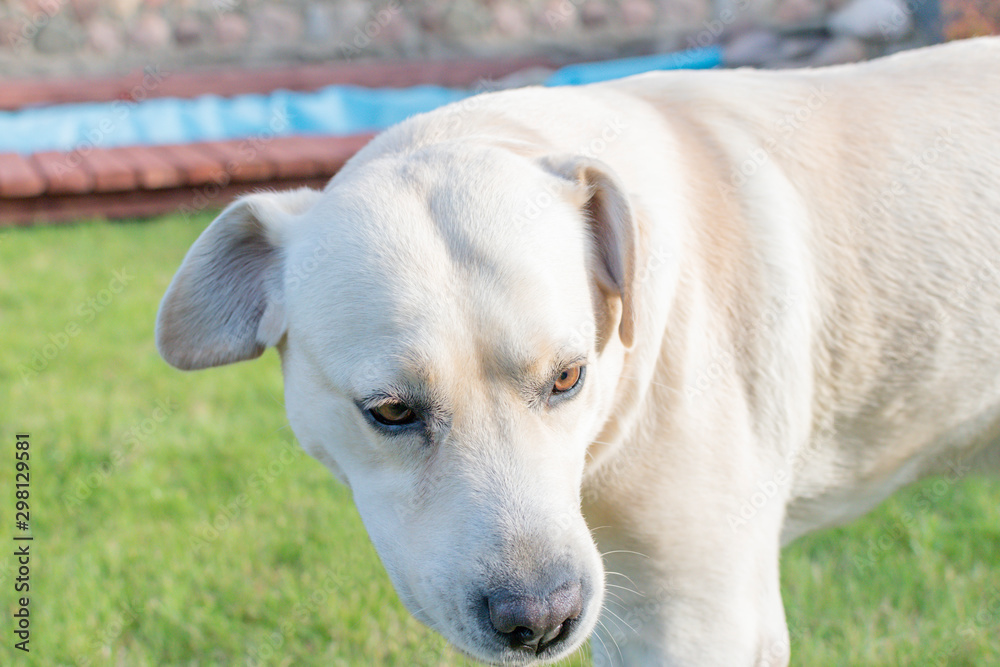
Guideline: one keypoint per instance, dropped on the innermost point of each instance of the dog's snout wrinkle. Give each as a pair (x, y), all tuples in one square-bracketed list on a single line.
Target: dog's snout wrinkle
[(534, 623)]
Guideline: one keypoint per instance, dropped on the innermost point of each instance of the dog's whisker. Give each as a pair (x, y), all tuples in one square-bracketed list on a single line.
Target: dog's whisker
[(607, 614), (623, 551), (275, 399), (665, 386), (616, 595), (622, 621), (608, 602), (597, 636), (624, 576), (611, 636), (624, 588)]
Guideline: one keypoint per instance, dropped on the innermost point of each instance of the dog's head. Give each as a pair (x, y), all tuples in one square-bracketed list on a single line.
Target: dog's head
[(452, 324)]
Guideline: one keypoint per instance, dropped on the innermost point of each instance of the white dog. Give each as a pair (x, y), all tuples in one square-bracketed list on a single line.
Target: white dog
[(630, 337)]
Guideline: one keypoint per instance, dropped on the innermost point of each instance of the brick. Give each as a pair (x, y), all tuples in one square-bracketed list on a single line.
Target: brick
[(19, 177)]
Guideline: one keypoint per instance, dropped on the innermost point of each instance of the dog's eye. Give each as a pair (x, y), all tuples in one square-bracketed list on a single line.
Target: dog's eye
[(393, 414), (568, 380)]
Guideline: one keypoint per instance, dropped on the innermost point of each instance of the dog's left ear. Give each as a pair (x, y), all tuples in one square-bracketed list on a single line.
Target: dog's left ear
[(227, 302), (602, 198)]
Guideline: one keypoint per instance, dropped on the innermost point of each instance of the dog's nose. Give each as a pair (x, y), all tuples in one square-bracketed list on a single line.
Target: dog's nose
[(535, 623)]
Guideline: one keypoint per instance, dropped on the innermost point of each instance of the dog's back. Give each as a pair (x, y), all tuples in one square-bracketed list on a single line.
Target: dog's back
[(895, 168)]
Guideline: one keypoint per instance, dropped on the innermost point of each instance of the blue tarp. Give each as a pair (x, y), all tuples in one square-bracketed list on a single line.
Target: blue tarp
[(335, 110), (616, 69)]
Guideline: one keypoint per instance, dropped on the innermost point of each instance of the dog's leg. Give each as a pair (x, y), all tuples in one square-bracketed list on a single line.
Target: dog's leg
[(690, 580)]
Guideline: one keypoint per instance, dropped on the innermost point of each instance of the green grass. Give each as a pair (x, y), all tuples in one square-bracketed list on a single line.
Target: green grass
[(133, 462)]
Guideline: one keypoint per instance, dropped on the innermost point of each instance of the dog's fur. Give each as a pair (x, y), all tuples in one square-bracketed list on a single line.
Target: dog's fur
[(785, 287)]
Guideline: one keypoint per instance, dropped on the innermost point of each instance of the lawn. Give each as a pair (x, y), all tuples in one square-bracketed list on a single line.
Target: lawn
[(176, 522)]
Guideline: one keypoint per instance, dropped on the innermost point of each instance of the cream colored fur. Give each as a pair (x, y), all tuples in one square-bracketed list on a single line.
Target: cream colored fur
[(785, 287)]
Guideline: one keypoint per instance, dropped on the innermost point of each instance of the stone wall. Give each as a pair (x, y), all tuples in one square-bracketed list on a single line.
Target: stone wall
[(68, 37)]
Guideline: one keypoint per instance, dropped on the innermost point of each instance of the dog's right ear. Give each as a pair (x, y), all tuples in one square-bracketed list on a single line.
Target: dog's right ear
[(226, 303), (602, 198)]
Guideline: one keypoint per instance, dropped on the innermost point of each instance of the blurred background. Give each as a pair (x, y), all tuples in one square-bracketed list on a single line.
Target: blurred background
[(175, 520), (76, 37), (89, 87), (220, 88)]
